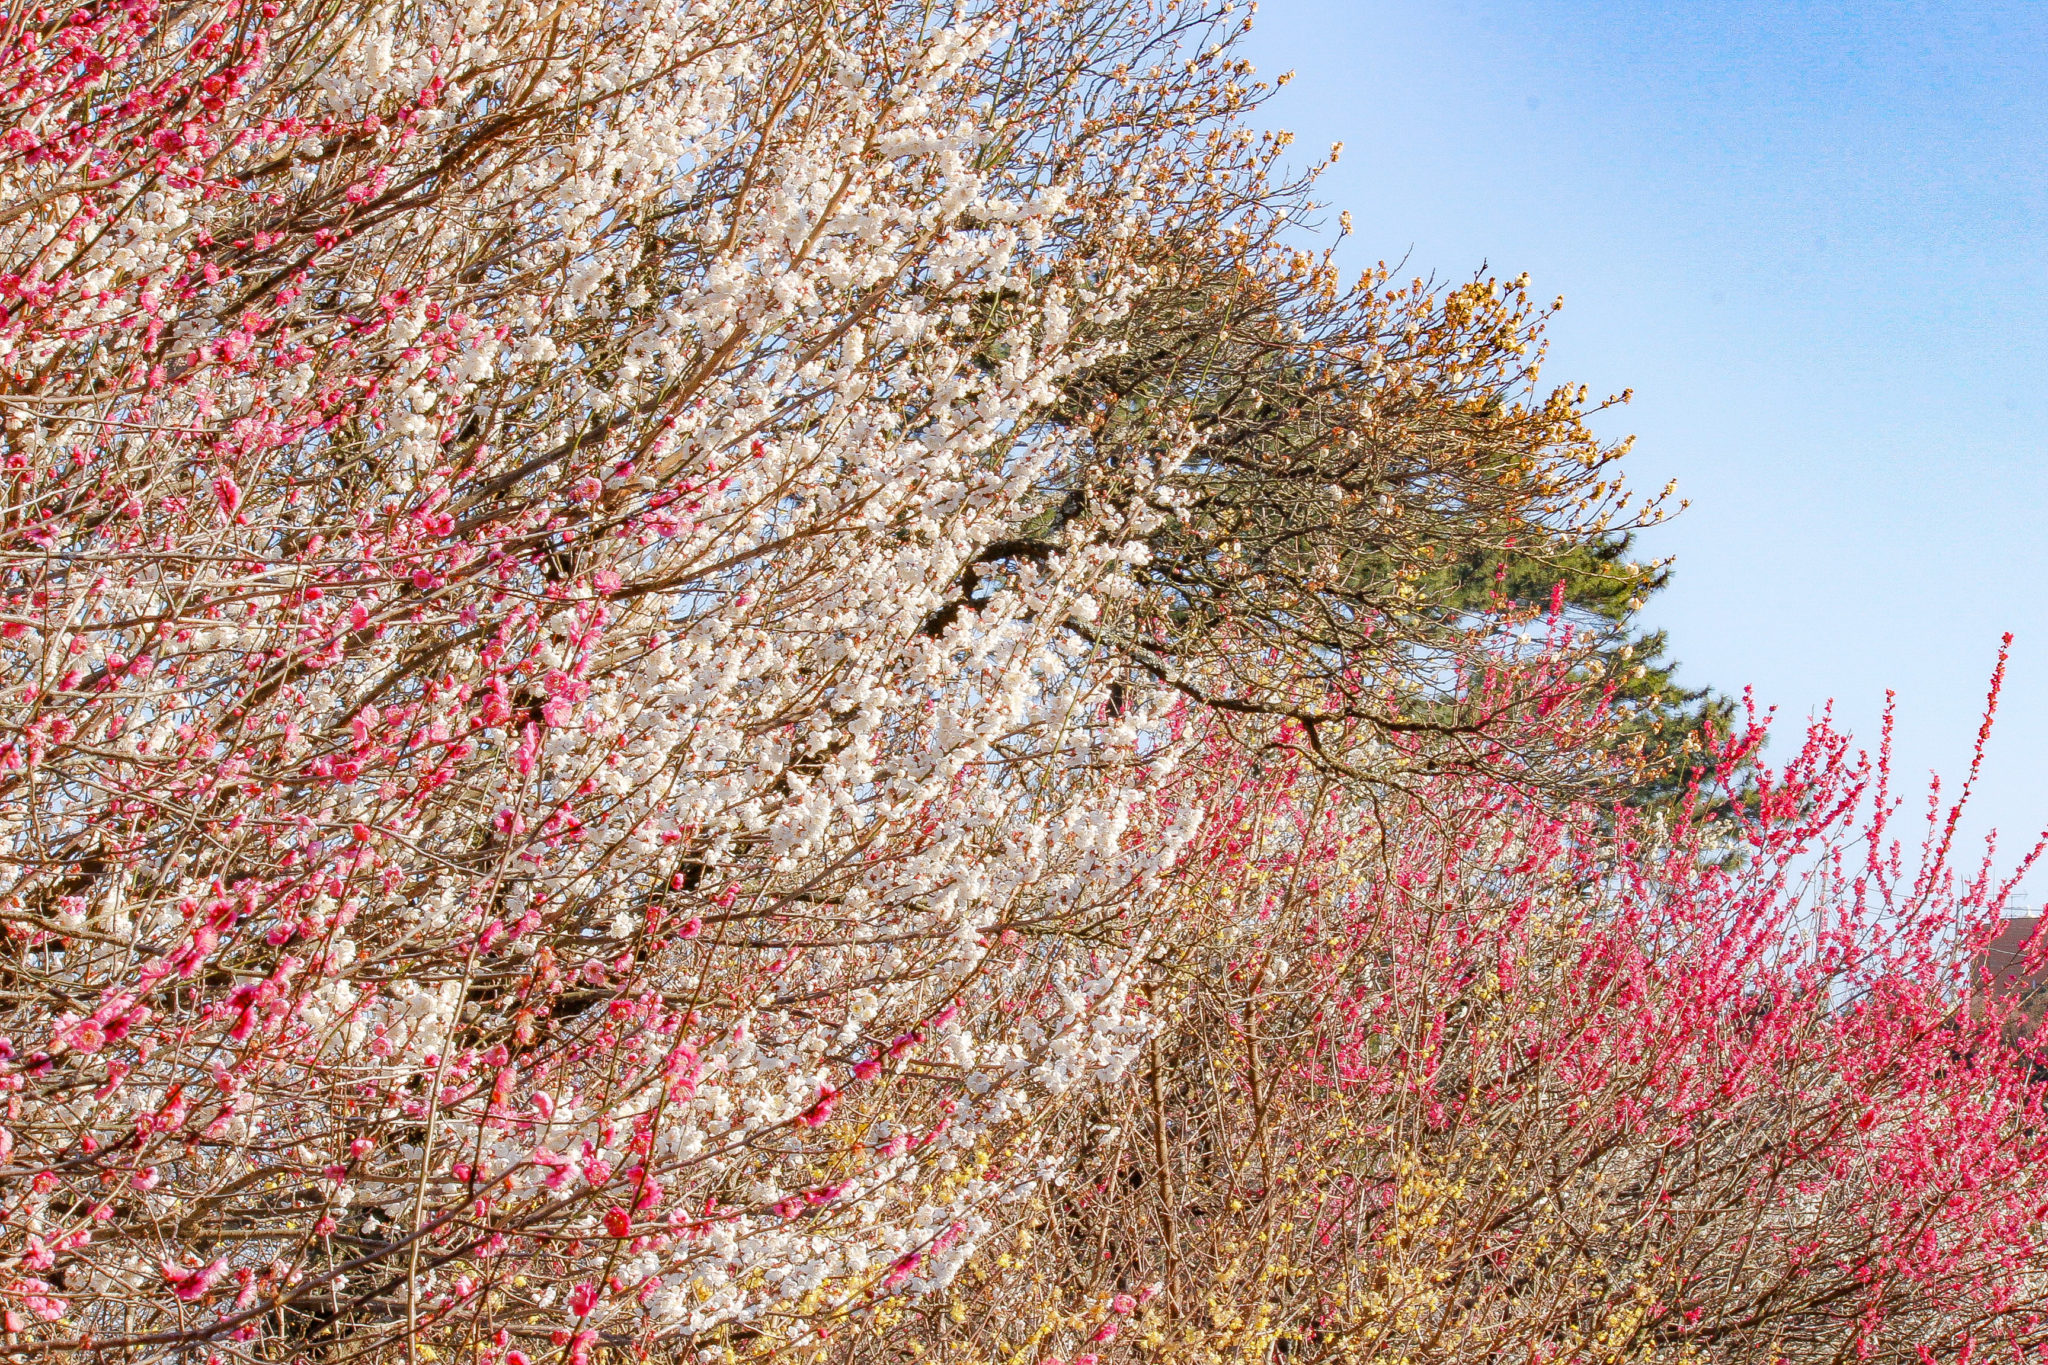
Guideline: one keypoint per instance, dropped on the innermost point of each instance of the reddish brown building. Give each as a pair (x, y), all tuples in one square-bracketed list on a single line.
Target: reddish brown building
[(2005, 964)]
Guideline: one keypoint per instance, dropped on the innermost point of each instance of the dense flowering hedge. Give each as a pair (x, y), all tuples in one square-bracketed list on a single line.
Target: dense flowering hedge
[(649, 705), (1460, 1075)]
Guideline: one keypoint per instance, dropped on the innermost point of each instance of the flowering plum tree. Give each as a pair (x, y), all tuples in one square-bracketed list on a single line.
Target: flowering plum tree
[(1477, 1076)]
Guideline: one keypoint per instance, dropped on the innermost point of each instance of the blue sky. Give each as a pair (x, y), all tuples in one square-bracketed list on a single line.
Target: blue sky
[(1814, 240)]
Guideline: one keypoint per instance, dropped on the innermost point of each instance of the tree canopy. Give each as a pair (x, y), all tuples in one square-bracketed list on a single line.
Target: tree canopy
[(778, 681)]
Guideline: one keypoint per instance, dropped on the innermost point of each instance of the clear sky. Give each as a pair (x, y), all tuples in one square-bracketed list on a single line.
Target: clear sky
[(1813, 238)]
